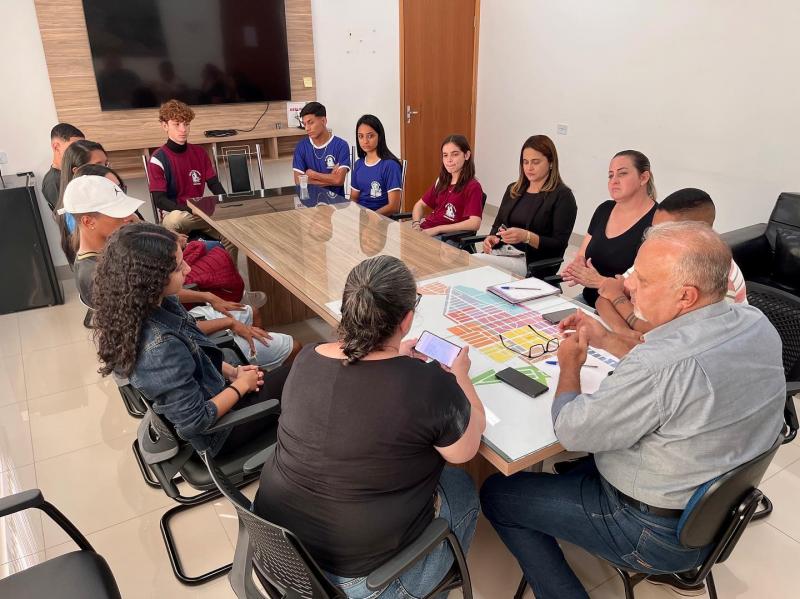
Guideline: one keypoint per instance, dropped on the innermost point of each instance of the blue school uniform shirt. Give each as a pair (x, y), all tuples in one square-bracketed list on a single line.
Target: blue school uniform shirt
[(375, 181), (324, 159)]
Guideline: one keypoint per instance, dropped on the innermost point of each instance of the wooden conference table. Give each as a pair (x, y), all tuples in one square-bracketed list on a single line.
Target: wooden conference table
[(299, 251)]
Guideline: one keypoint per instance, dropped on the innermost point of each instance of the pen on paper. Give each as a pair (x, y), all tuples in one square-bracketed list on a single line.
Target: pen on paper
[(525, 288), (555, 363)]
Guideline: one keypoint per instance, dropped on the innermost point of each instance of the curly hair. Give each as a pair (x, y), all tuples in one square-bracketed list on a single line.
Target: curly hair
[(378, 294), (128, 284), (175, 110)]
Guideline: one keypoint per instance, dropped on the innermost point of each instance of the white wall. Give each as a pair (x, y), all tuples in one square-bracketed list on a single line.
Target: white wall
[(27, 111), (356, 48), (707, 89), (357, 61)]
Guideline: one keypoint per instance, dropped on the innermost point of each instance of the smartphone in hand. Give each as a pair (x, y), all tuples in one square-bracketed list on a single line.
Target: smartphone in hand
[(441, 350)]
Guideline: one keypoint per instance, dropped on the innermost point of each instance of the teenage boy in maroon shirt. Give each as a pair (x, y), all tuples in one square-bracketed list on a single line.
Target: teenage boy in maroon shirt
[(179, 171)]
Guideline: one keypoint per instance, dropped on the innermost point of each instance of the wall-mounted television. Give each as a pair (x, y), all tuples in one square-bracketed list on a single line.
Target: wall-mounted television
[(145, 52)]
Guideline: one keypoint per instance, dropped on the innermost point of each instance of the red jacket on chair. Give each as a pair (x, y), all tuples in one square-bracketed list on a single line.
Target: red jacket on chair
[(213, 271)]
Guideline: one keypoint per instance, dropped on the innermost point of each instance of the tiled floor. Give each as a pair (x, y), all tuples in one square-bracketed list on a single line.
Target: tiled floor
[(63, 429)]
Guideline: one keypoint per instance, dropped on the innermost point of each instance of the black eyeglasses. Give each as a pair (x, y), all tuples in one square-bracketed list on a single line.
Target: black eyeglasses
[(416, 303), (535, 350)]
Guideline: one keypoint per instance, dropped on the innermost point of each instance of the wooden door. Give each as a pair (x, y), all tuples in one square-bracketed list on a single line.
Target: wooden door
[(438, 61)]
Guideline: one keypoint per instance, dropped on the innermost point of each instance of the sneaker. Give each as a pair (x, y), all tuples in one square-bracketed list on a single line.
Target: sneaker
[(677, 587), (255, 299)]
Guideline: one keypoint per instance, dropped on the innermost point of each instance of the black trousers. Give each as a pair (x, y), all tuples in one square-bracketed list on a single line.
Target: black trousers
[(244, 433)]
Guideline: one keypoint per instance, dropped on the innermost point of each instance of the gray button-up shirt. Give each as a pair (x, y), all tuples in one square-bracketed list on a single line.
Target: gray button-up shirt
[(703, 394)]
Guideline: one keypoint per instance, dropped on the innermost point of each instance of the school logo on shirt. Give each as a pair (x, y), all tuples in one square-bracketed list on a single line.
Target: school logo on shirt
[(375, 190), (449, 211), (195, 175), (330, 161)]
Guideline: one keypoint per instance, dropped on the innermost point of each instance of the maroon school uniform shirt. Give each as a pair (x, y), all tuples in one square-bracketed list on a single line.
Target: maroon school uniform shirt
[(181, 175), (452, 206)]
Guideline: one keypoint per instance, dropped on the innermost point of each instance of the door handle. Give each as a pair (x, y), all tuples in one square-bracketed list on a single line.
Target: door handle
[(410, 112)]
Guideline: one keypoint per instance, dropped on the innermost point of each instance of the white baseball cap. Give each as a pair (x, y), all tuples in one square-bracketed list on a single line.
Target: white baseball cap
[(93, 193)]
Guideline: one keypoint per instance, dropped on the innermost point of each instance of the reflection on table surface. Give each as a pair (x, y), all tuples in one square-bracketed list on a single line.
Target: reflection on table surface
[(265, 201), (310, 246)]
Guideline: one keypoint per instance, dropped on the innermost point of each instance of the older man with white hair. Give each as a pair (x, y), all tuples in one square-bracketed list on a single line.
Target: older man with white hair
[(703, 393)]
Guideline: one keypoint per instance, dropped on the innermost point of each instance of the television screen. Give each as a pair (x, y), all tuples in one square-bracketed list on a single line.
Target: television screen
[(145, 52)]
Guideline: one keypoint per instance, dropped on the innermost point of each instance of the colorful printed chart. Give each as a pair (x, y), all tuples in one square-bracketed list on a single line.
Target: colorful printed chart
[(458, 308)]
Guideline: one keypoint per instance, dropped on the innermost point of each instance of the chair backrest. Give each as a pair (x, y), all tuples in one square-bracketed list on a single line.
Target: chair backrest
[(238, 159), (278, 555), (156, 210), (785, 215), (714, 504), (783, 311)]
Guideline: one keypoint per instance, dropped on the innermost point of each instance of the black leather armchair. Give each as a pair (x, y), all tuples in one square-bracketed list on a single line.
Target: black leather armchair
[(80, 574), (769, 253)]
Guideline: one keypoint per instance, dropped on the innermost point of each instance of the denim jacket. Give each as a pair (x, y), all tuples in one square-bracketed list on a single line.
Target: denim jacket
[(174, 371)]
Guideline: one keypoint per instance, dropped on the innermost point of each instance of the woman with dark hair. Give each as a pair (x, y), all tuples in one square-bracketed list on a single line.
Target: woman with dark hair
[(143, 333), (377, 174), (366, 426), (537, 213), (76, 155), (454, 202), (79, 153), (67, 224), (617, 226)]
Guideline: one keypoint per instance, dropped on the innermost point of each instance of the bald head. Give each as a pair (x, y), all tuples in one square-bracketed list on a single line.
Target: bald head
[(681, 266), (701, 258)]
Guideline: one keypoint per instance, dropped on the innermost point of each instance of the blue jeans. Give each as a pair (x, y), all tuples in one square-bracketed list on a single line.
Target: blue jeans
[(530, 511), (460, 507)]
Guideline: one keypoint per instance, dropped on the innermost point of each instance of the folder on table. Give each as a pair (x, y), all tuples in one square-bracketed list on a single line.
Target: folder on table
[(523, 290)]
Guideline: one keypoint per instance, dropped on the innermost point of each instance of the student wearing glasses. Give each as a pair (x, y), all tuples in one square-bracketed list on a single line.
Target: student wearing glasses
[(377, 174), (356, 475)]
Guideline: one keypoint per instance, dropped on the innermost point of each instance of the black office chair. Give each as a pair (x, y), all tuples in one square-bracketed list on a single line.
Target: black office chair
[(286, 569), (166, 456), (82, 574), (769, 253), (238, 159), (783, 311), (717, 513), (453, 238)]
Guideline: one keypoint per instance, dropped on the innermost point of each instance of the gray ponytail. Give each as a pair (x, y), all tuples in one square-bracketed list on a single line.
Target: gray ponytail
[(378, 294)]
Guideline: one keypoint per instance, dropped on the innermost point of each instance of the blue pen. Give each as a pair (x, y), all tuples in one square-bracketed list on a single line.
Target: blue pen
[(555, 363)]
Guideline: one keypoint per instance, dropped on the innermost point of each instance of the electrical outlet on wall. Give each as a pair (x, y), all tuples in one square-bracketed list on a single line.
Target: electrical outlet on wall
[(562, 128), (3, 158)]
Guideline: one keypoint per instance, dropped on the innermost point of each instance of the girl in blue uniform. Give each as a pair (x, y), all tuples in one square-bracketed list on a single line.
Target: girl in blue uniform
[(377, 175)]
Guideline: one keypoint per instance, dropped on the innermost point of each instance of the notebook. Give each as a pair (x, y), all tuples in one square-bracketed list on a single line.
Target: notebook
[(523, 290)]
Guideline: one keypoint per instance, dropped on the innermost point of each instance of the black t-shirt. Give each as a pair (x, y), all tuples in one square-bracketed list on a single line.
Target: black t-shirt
[(84, 275), (355, 469), (51, 185), (613, 256)]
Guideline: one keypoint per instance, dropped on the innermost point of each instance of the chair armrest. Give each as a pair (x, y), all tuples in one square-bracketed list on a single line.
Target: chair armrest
[(223, 336), (24, 500), (792, 388), (255, 463), (473, 238), (455, 236), (248, 414), (400, 216), (33, 498), (546, 264), (190, 286), (431, 537)]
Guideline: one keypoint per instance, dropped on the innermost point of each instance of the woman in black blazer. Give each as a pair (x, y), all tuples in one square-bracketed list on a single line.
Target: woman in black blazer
[(537, 213)]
